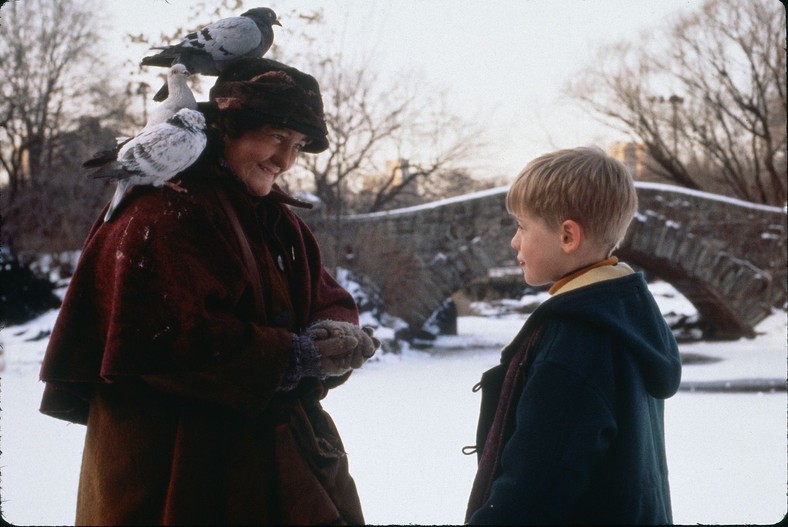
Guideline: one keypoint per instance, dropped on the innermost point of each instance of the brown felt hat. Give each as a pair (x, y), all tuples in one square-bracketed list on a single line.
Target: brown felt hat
[(277, 94)]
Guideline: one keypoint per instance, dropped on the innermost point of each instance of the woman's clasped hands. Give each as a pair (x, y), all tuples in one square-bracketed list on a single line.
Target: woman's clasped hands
[(342, 346)]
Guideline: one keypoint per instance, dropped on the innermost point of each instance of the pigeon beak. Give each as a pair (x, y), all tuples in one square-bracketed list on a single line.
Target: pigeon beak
[(276, 22)]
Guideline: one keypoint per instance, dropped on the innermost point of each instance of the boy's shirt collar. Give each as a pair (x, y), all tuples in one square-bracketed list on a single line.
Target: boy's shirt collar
[(607, 269)]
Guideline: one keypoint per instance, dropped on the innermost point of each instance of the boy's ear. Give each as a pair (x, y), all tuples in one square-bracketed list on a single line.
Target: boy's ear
[(571, 236)]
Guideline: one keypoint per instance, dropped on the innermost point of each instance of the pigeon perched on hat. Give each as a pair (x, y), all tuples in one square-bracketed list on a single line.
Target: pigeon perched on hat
[(210, 49), (156, 155)]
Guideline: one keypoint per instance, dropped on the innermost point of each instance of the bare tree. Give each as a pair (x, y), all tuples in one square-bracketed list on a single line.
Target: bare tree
[(51, 81), (708, 101), (46, 54), (391, 142), (53, 213)]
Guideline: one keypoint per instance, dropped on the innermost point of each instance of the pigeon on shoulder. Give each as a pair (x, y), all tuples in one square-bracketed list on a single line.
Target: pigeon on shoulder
[(156, 155), (210, 49)]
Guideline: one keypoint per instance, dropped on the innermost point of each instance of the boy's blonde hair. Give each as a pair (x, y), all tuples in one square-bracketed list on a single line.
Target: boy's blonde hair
[(581, 184)]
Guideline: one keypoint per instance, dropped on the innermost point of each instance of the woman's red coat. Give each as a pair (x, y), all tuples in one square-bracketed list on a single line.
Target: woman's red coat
[(157, 350)]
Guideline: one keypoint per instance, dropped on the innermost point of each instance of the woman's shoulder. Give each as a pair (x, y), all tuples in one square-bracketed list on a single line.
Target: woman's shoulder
[(188, 211), (165, 205)]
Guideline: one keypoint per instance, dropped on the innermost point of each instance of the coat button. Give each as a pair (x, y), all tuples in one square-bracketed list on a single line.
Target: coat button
[(282, 319)]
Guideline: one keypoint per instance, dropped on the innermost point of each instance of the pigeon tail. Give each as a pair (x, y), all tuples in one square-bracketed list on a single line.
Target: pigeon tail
[(117, 197), (162, 94), (104, 157), (163, 59), (111, 170), (101, 158)]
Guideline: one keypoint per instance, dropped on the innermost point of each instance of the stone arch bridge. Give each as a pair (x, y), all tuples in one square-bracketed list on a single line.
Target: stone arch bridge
[(726, 256)]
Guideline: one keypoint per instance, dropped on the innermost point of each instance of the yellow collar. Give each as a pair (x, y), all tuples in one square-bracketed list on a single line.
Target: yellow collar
[(597, 272)]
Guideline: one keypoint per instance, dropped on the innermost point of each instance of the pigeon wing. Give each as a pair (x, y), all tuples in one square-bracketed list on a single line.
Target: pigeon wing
[(181, 151), (161, 152), (225, 39), (148, 156)]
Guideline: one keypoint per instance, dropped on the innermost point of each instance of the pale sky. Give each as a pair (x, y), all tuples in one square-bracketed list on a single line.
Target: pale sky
[(502, 63)]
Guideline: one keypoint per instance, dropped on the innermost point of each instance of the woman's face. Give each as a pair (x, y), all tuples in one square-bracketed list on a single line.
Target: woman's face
[(260, 155)]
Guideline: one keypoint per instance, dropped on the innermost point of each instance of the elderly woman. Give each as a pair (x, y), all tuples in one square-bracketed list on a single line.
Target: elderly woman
[(200, 332)]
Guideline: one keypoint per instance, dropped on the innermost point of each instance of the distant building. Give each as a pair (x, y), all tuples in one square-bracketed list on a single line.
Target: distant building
[(399, 169), (636, 157), (396, 171)]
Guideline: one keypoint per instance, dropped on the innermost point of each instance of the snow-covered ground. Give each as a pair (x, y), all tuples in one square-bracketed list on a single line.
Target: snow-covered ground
[(405, 418)]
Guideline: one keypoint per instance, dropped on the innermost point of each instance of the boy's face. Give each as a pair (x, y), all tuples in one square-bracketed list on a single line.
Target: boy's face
[(539, 250)]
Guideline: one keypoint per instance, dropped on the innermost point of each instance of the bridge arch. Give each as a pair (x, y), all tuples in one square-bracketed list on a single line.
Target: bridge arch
[(727, 256)]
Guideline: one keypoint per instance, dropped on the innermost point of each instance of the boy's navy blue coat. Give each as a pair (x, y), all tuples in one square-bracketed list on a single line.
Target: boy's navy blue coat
[(584, 439)]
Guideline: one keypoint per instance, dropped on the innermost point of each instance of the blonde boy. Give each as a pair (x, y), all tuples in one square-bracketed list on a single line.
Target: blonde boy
[(571, 424)]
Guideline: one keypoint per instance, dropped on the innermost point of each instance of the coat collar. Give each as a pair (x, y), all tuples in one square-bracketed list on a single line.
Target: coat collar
[(280, 196), (277, 195)]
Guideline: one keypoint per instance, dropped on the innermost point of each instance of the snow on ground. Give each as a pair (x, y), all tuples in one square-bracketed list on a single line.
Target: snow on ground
[(404, 419)]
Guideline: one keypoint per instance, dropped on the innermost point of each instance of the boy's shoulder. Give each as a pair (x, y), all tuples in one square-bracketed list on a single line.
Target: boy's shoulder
[(613, 322), (597, 315)]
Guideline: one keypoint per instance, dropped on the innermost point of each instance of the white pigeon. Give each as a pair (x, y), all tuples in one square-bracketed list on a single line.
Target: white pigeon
[(210, 49), (156, 155), (180, 96)]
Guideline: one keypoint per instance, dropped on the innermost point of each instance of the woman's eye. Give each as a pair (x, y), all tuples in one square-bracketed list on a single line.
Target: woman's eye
[(276, 136)]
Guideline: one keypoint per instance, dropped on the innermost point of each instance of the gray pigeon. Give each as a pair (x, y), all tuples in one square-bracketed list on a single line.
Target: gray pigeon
[(180, 96), (210, 49), (156, 155)]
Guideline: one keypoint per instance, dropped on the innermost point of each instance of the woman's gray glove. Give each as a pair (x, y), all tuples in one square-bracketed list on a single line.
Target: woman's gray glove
[(343, 346), (328, 349)]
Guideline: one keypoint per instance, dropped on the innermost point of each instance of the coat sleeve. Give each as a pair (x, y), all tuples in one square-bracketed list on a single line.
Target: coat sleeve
[(161, 295), (562, 430), (328, 299)]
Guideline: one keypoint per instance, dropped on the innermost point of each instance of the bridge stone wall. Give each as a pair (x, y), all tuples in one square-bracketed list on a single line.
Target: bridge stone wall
[(726, 256)]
